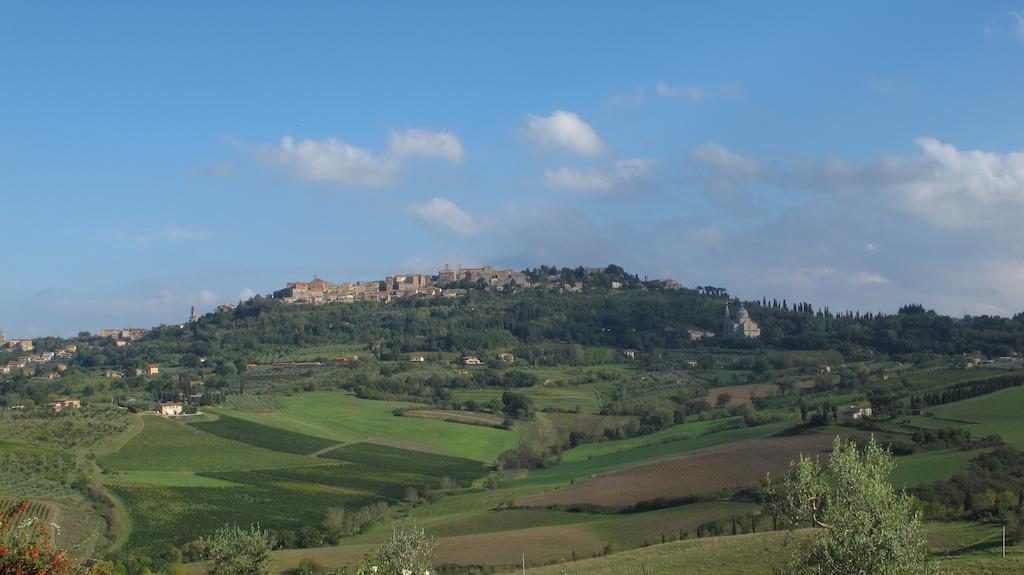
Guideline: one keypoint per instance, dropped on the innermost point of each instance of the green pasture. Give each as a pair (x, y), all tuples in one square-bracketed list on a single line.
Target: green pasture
[(996, 413), (165, 479), (947, 377), (578, 467), (587, 398), (343, 418), (764, 553), (264, 436), (165, 516), (169, 445), (928, 466), (389, 458)]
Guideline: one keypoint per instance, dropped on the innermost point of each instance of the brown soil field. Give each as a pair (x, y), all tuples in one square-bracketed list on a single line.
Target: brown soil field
[(742, 394), (728, 466), (469, 417)]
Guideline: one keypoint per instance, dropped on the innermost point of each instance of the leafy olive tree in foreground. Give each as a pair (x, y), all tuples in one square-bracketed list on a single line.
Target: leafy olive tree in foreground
[(234, 550), (408, 552), (862, 524)]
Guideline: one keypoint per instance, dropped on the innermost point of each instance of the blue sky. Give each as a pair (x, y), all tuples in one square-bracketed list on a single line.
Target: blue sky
[(155, 157)]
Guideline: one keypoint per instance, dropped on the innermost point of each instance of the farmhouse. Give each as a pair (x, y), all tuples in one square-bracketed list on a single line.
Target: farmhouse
[(417, 359), (169, 409), (152, 370), (856, 412), (346, 359), (507, 357), (472, 361), (63, 403)]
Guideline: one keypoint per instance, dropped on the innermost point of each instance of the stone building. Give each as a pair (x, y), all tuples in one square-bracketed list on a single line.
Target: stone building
[(739, 325)]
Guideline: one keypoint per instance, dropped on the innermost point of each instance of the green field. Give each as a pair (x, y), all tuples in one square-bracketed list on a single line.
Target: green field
[(606, 459), (166, 479), (389, 483), (164, 516), (264, 435), (928, 466), (996, 413), (763, 553), (393, 458), (343, 418), (587, 398), (167, 445)]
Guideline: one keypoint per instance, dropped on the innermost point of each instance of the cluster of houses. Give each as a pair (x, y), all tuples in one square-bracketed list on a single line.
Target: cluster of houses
[(150, 369), (63, 403), (125, 333), (394, 287), (30, 364)]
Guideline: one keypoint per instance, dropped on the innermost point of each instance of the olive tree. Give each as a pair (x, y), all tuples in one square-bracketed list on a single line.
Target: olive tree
[(860, 523), (234, 550), (408, 552)]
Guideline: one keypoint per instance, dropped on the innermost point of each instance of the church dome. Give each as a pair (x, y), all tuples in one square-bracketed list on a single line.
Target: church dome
[(742, 313)]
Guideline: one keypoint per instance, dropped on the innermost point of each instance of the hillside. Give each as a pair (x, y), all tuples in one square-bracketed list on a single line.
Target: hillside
[(559, 424)]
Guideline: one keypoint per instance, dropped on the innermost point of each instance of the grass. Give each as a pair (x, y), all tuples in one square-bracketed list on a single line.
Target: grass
[(762, 553), (392, 458), (167, 445), (264, 435), (343, 418), (170, 516), (995, 413), (354, 476), (166, 479), (742, 394), (930, 466), (586, 398), (575, 467)]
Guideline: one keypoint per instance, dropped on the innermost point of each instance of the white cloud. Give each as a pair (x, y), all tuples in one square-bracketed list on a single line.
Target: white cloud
[(621, 175), (564, 130), (412, 142), (870, 247), (869, 278), (443, 214), (943, 185), (331, 160), (1018, 25), (246, 294), (338, 162), (961, 189), (575, 180), (692, 93), (716, 157)]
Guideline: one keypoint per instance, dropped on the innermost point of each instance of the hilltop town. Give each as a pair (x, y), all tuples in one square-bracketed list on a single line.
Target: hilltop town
[(450, 282), (447, 283)]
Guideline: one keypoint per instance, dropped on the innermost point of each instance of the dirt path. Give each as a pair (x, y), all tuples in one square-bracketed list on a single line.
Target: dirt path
[(122, 523), (320, 452)]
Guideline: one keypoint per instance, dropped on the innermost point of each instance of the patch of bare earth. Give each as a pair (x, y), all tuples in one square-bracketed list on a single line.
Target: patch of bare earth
[(730, 466)]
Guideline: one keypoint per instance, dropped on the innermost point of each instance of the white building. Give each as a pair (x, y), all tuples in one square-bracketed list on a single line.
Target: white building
[(739, 325), (169, 409)]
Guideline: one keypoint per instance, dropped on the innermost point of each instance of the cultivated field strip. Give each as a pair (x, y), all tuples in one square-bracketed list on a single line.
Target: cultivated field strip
[(455, 468), (728, 466)]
